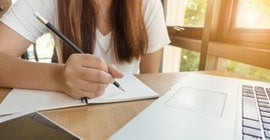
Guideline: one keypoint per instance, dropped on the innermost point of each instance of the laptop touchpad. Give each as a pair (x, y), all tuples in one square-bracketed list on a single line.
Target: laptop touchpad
[(198, 100)]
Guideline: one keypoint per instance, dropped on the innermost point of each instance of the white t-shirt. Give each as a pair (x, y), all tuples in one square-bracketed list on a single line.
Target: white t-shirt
[(20, 17)]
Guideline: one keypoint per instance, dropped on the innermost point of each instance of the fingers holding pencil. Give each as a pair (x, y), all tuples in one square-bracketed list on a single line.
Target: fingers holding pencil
[(103, 67), (116, 73), (83, 78)]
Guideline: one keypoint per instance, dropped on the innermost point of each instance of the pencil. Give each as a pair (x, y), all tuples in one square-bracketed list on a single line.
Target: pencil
[(68, 42)]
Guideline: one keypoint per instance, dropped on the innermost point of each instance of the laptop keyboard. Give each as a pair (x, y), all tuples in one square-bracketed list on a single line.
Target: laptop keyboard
[(256, 113)]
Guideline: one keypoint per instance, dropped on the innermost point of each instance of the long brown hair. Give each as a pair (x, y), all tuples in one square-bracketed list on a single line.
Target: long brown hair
[(78, 21)]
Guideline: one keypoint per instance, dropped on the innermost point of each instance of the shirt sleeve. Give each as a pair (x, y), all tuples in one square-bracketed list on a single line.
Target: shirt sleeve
[(155, 25), (20, 17)]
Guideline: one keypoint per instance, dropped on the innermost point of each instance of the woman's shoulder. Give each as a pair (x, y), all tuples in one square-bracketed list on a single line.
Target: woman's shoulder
[(152, 8), (37, 5), (20, 17), (149, 6), (150, 3), (27, 7)]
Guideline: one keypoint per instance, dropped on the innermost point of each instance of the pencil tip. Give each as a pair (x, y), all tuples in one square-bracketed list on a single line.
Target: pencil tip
[(121, 89)]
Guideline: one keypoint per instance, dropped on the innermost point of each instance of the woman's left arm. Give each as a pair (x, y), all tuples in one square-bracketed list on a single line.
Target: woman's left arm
[(150, 62), (157, 36)]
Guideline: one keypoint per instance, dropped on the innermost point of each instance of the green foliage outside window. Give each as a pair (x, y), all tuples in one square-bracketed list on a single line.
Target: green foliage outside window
[(189, 60), (195, 13), (249, 71), (194, 17)]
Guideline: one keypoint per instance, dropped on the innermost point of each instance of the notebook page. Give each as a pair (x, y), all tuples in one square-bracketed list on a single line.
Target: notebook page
[(19, 100)]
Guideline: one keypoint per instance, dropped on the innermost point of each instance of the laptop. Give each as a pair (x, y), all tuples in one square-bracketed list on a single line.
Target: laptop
[(204, 107), (32, 125)]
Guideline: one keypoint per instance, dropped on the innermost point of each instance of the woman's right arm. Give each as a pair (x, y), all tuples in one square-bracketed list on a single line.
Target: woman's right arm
[(83, 75)]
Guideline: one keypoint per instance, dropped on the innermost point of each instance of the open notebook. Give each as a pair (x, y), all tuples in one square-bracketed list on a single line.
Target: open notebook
[(23, 99)]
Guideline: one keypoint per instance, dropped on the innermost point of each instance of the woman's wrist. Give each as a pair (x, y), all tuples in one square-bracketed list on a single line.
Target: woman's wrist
[(58, 78)]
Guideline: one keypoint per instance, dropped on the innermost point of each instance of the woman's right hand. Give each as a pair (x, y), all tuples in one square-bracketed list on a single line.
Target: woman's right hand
[(86, 75)]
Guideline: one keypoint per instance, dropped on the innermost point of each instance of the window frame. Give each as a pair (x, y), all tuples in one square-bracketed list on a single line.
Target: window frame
[(220, 38), (229, 33)]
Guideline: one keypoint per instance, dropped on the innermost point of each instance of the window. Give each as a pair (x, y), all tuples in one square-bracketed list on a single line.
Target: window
[(195, 13), (189, 60), (185, 19), (253, 14), (42, 49), (245, 22), (256, 73), (236, 30)]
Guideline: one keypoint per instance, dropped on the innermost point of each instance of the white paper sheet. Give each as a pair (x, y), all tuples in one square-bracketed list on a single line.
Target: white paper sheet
[(19, 100)]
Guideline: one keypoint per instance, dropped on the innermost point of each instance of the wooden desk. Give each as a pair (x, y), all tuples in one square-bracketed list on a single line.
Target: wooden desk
[(99, 122)]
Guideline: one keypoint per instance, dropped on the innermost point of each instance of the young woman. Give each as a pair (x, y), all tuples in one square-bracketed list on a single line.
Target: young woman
[(116, 35)]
